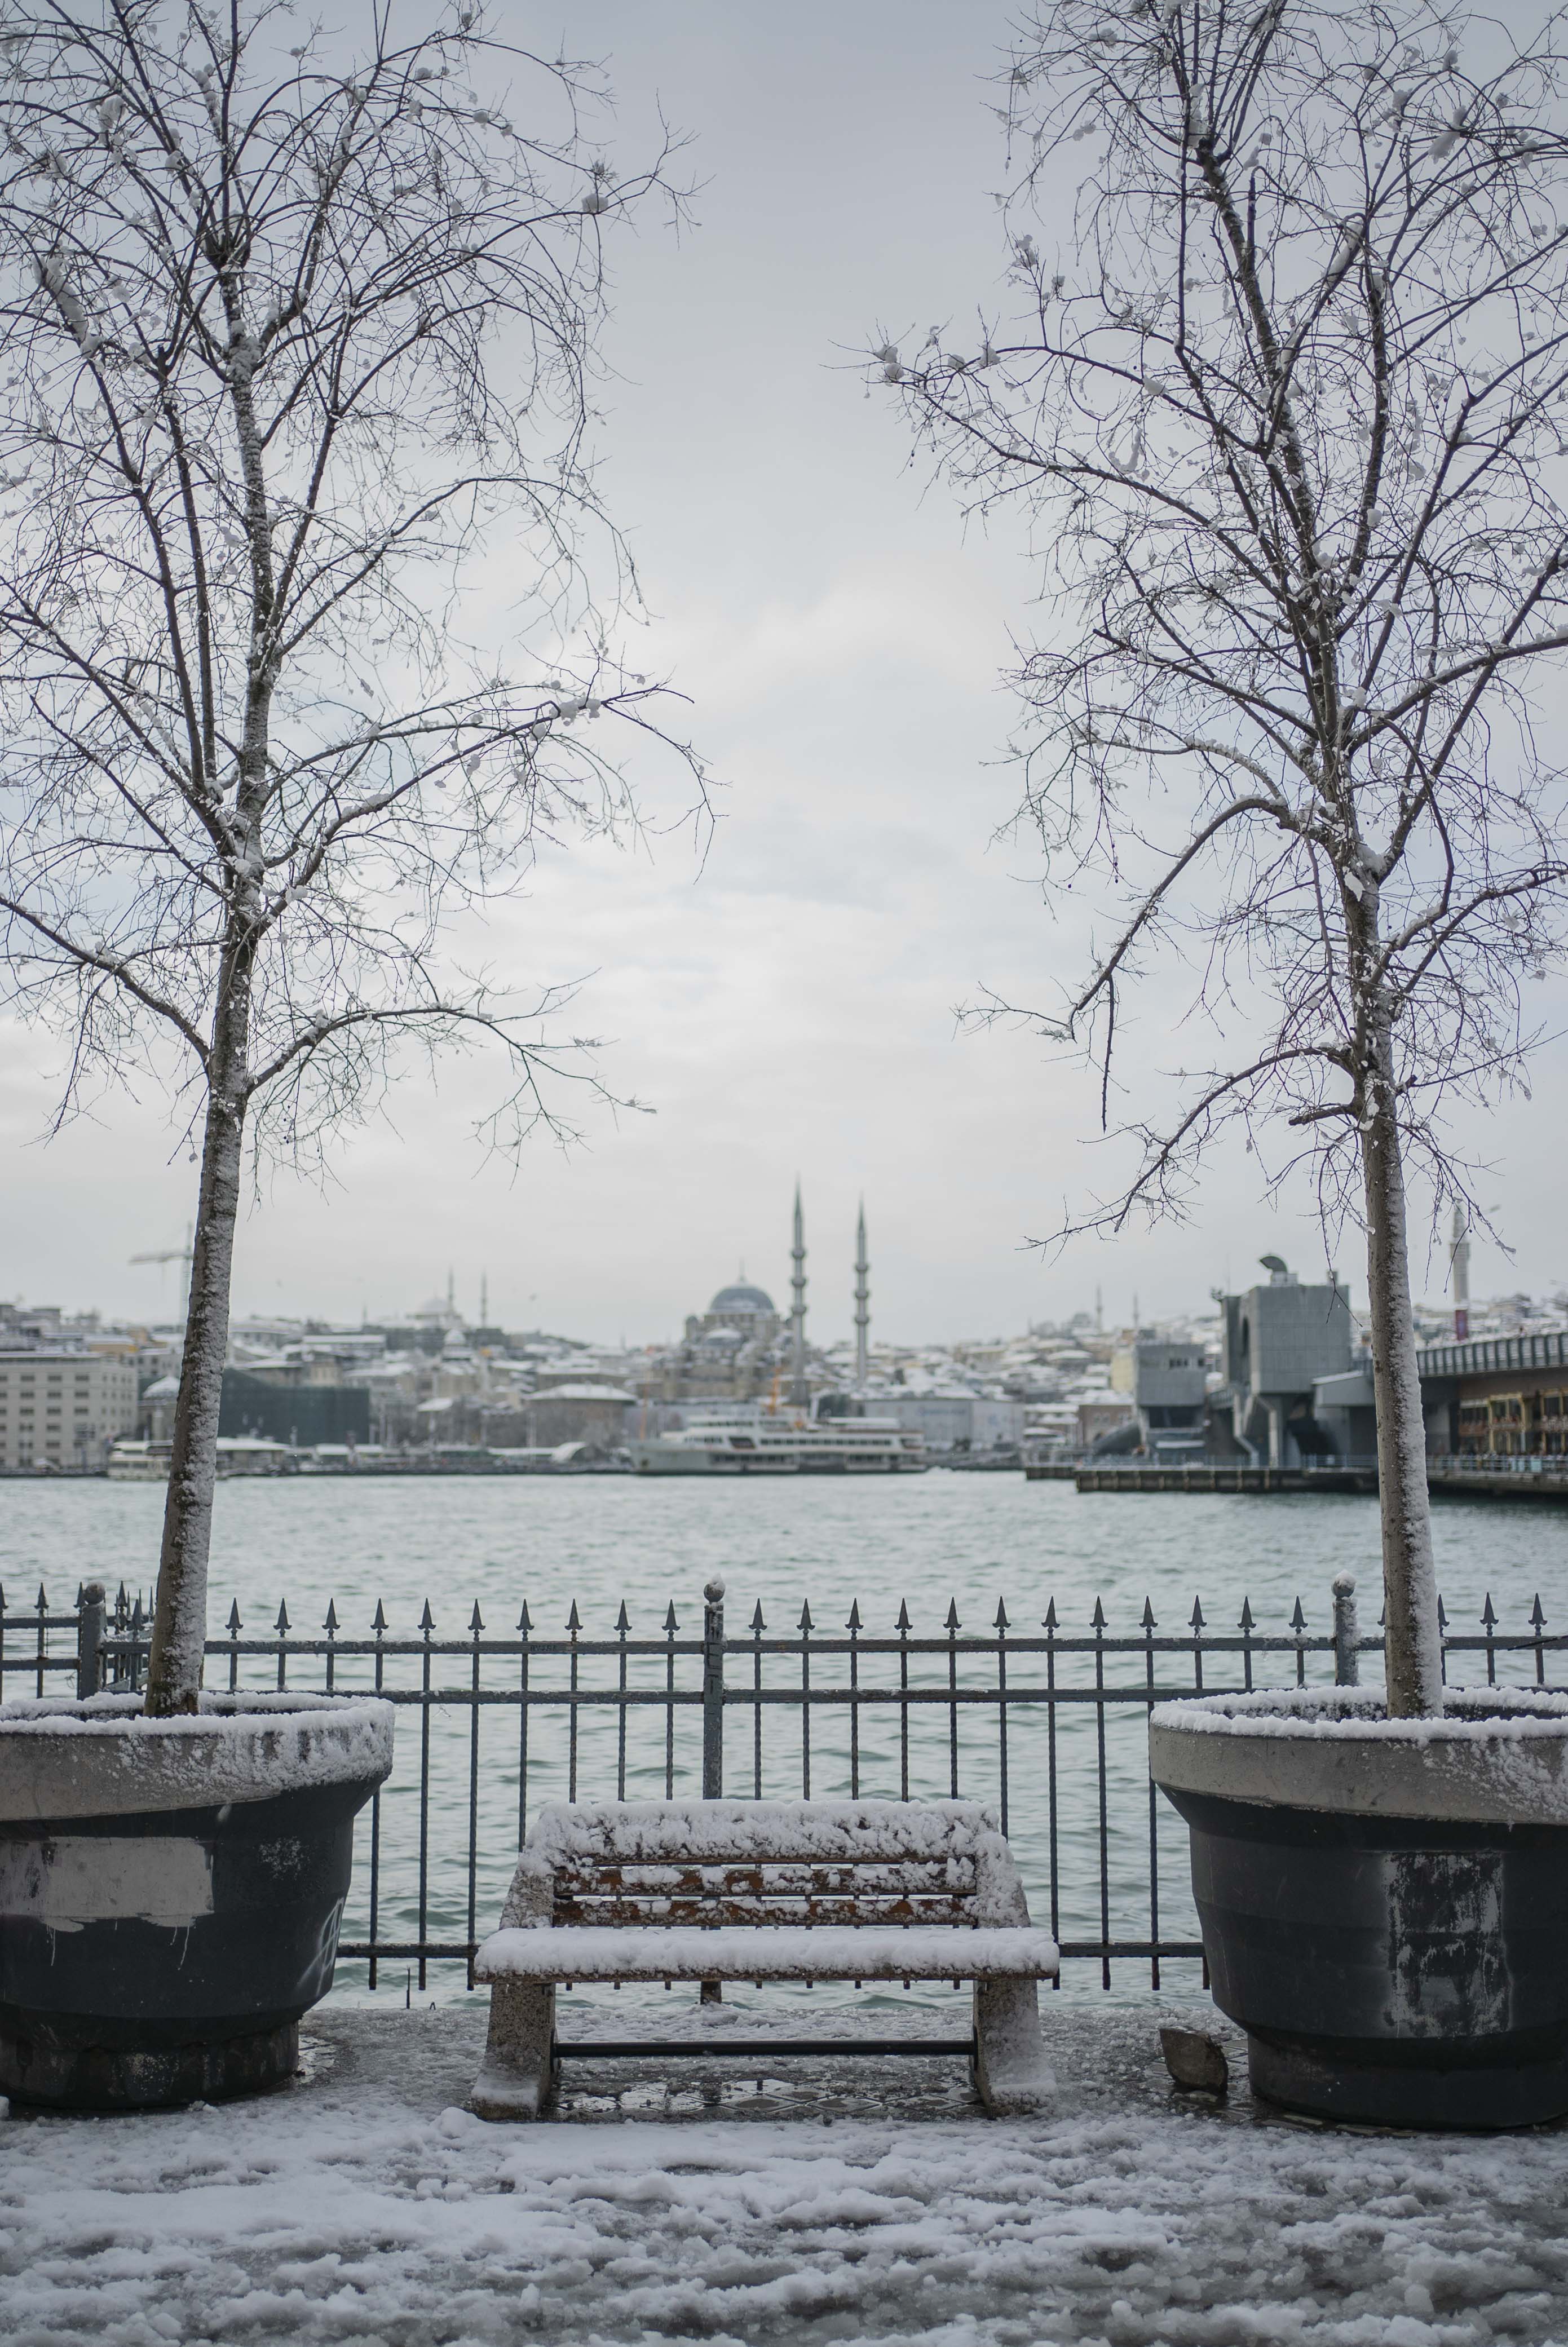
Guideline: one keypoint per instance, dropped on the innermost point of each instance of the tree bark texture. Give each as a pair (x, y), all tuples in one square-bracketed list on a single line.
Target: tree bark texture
[(1413, 1645), (179, 1620)]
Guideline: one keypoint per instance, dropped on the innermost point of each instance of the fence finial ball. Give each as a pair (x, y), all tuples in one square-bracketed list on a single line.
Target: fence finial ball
[(713, 1591), (1344, 1584)]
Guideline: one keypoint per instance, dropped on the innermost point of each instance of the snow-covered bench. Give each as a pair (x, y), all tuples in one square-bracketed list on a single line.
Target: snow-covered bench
[(764, 1891)]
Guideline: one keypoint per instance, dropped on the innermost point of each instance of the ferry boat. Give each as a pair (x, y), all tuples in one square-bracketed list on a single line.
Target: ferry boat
[(133, 1460), (754, 1444)]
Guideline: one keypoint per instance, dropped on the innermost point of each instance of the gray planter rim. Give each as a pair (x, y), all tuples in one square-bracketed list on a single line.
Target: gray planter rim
[(63, 1757), (1496, 1756)]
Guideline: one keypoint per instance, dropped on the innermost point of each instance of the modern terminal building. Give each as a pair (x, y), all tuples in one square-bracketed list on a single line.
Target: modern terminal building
[(1290, 1388)]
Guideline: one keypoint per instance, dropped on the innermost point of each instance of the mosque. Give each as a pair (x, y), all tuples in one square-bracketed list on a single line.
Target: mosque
[(742, 1349)]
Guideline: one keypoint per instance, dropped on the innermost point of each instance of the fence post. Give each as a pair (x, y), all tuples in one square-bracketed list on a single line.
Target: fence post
[(712, 1990), (92, 1615), (714, 1691), (1347, 1632)]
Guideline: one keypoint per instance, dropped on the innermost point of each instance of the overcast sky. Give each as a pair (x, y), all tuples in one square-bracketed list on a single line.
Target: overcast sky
[(785, 1007)]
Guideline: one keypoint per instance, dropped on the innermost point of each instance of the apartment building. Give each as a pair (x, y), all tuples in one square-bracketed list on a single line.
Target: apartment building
[(63, 1407)]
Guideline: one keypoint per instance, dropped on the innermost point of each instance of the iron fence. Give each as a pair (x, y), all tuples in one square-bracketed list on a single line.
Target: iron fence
[(1045, 1721)]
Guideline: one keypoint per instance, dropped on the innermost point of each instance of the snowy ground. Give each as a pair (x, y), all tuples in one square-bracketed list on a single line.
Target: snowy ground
[(866, 2201)]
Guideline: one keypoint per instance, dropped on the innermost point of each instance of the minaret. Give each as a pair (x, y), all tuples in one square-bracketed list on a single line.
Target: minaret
[(862, 1303), (797, 1391), (1458, 1259), (484, 1299)]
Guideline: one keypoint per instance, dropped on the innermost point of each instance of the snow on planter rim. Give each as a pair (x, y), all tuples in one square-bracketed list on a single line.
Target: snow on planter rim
[(65, 1758), (1494, 1755)]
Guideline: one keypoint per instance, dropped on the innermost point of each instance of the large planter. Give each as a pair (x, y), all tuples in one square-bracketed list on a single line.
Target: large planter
[(170, 1890), (1384, 1903)]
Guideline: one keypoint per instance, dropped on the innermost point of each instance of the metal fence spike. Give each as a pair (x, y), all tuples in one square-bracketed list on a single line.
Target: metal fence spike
[(475, 1620), (1049, 1622), (1246, 1622), (235, 1624), (379, 1624), (1537, 1618), (1196, 1616), (281, 1624), (1486, 1615), (1097, 1621), (525, 1619), (427, 1619), (952, 1622), (330, 1624), (671, 1623), (1149, 1621), (853, 1621), (902, 1625), (1299, 1619), (1001, 1620), (1442, 1613), (122, 1596), (43, 1601), (804, 1622), (574, 1620), (79, 1607), (758, 1625), (622, 1620)]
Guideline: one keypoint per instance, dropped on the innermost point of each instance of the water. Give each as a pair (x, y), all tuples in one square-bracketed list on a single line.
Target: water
[(976, 1540), (922, 1538)]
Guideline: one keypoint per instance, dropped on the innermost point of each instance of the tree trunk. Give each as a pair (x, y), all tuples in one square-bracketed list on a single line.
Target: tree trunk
[(179, 1620), (1412, 1642)]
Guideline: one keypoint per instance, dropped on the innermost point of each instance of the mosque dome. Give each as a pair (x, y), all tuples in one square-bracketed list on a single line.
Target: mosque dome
[(741, 1298)]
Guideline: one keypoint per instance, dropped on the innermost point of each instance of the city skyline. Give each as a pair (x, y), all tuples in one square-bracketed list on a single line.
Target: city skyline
[(787, 997)]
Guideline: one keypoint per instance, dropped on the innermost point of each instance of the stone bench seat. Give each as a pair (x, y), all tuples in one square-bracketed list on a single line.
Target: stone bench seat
[(770, 1951)]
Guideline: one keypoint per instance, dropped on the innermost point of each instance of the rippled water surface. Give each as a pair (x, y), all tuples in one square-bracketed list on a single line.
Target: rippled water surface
[(920, 1539), (971, 1541)]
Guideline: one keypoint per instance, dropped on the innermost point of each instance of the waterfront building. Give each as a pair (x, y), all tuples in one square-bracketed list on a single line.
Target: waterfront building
[(951, 1419), (62, 1407), (1166, 1380), (1279, 1339), (1497, 1397), (581, 1412), (298, 1415)]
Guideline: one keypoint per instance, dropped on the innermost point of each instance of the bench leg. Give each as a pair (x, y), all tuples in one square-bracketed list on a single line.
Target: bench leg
[(1011, 2071), (516, 2077)]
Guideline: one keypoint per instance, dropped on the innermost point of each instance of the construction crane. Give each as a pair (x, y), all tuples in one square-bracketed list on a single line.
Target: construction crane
[(175, 1254)]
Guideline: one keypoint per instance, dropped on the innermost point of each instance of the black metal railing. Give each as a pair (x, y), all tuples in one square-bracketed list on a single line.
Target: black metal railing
[(1046, 1722)]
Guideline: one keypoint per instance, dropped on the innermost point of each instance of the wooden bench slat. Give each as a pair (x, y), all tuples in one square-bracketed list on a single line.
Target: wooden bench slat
[(764, 1951), (658, 1914), (785, 1875)]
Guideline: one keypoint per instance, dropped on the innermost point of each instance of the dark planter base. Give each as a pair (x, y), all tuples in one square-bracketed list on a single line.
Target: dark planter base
[(36, 2068), (1344, 2082), (166, 1955), (1400, 1971)]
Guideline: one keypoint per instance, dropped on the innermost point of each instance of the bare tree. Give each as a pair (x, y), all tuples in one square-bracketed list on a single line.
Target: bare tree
[(295, 343), (1286, 418)]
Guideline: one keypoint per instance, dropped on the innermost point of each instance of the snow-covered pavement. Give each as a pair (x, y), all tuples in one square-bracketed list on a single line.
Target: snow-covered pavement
[(363, 2204)]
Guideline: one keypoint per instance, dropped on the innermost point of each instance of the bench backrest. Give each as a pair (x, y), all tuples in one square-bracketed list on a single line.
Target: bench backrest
[(656, 1863)]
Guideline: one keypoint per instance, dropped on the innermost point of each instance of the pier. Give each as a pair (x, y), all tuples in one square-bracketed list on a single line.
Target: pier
[(1542, 1480), (1222, 1475)]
